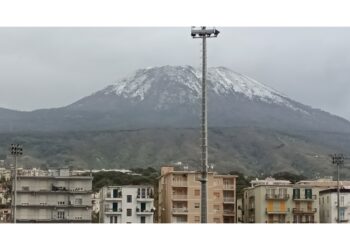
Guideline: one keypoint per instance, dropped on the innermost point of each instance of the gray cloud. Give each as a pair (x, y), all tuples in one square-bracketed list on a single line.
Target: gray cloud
[(51, 67)]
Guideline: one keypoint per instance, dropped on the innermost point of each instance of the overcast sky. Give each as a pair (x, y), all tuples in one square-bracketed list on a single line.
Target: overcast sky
[(53, 67)]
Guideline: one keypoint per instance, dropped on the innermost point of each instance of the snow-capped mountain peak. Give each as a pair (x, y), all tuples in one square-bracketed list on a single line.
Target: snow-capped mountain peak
[(183, 84)]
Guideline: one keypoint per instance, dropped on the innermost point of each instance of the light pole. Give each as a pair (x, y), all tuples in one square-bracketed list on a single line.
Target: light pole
[(338, 159), (204, 33), (16, 150)]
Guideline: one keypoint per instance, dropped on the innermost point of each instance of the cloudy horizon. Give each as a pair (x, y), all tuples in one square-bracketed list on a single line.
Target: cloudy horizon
[(54, 67)]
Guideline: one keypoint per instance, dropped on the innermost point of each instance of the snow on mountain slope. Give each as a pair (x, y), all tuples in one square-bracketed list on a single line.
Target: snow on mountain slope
[(183, 83)]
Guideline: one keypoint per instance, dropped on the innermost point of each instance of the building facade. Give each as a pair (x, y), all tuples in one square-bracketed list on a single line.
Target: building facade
[(179, 197), (58, 197), (127, 204), (279, 201), (329, 207)]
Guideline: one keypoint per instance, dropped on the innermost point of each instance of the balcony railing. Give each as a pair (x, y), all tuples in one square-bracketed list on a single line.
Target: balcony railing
[(229, 212), (303, 198), (146, 197), (277, 196), (276, 211), (228, 187), (179, 196), (304, 210), (180, 183), (180, 210), (111, 210), (229, 199), (144, 211)]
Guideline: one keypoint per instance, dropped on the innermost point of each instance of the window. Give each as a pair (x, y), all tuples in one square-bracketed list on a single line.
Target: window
[(197, 192), (78, 201), (117, 193), (342, 214), (115, 219), (143, 219), (197, 219), (60, 214), (342, 201), (111, 219), (128, 212), (60, 202), (296, 193), (196, 205), (129, 198), (308, 193), (115, 206)]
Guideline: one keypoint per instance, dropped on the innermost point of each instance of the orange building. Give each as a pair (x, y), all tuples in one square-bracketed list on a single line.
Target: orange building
[(179, 197)]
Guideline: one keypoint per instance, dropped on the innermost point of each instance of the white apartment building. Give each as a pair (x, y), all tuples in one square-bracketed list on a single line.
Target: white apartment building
[(127, 204), (59, 197), (328, 205)]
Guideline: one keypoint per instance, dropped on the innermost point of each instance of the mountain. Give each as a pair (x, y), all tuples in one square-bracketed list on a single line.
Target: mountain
[(169, 96), (153, 116)]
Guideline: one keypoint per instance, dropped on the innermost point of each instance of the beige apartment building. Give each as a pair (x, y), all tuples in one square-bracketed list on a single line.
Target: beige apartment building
[(54, 197), (179, 197), (279, 201)]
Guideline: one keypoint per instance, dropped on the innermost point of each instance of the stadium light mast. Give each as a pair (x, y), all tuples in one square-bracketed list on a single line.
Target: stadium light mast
[(16, 150), (204, 33), (338, 159)]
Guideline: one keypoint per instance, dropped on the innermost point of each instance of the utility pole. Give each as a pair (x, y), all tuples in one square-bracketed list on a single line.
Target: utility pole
[(204, 33), (338, 159), (16, 150)]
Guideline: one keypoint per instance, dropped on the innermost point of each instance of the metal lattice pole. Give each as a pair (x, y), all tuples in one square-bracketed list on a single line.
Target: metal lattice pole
[(16, 150), (338, 159), (204, 33), (204, 179)]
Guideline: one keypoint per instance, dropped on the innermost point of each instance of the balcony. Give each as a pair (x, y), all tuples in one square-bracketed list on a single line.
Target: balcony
[(179, 183), (113, 211), (144, 198), (229, 212), (229, 199), (180, 197), (313, 198), (113, 198), (180, 210), (276, 211), (304, 210), (277, 196), (228, 187), (144, 211)]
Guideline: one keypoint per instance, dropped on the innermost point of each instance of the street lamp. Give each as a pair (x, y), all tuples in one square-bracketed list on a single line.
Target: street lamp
[(204, 33), (16, 150)]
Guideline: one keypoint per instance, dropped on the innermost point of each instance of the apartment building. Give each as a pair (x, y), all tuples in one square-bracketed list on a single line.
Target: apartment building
[(179, 197), (279, 201), (329, 208), (56, 197), (127, 204), (5, 204)]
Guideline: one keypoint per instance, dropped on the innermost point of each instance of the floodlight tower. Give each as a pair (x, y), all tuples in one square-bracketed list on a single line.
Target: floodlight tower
[(338, 159), (204, 33), (16, 150)]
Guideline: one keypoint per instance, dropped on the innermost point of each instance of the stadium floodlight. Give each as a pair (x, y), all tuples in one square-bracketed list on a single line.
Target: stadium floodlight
[(204, 33), (200, 32), (16, 150)]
